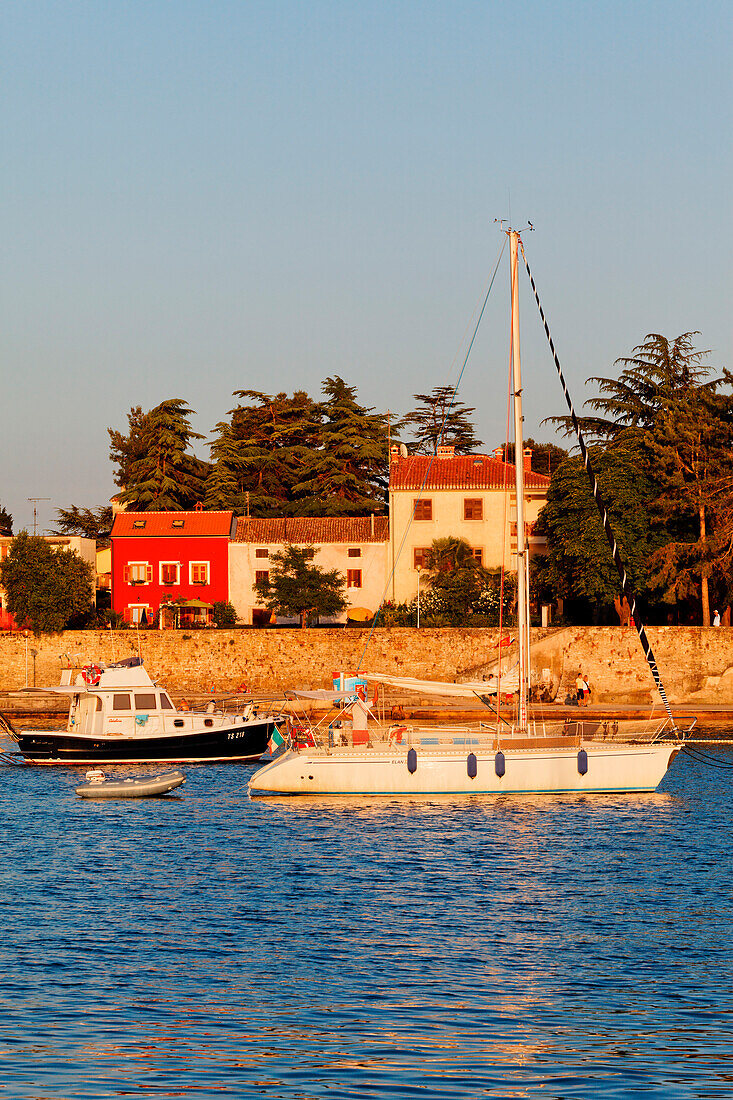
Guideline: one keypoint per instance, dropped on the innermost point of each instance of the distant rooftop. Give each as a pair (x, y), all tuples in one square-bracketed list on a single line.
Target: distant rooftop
[(447, 470), (162, 524), (312, 531)]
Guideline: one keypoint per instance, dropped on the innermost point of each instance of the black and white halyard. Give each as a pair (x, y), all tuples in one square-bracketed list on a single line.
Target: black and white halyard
[(118, 715), (531, 755)]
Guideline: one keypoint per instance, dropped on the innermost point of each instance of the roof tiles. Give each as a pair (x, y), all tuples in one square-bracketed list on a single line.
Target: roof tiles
[(312, 531), (457, 472), (173, 524)]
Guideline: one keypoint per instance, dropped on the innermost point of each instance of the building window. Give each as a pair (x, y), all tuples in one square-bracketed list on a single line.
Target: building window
[(178, 523), (139, 523), (170, 572), (477, 554), (135, 614), (138, 572), (262, 552), (473, 508), (419, 555), (354, 552), (423, 508), (199, 572), (262, 575), (353, 578)]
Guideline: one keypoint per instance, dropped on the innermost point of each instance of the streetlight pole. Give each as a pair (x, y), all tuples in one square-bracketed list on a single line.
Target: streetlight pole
[(418, 597), (25, 635)]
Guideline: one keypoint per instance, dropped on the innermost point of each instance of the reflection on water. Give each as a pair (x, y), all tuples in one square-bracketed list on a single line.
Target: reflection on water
[(211, 944)]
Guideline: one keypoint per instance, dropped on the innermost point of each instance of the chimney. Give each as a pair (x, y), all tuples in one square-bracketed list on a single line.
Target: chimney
[(394, 453), (528, 460), (499, 453), (446, 451)]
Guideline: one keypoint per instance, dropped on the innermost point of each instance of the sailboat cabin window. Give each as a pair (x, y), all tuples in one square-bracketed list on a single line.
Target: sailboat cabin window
[(165, 703), (145, 701), (473, 508), (120, 702), (423, 508)]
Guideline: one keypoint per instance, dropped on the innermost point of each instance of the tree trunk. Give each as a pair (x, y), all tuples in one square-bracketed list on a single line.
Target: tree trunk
[(704, 592)]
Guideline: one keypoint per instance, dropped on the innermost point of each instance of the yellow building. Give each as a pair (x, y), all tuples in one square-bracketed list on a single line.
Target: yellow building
[(471, 497)]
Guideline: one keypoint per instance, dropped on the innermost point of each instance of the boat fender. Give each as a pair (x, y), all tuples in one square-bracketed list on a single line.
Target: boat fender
[(472, 765), (582, 762), (412, 761), (499, 764)]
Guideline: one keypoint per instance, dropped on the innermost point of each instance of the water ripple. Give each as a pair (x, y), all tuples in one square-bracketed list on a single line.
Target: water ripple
[(208, 945)]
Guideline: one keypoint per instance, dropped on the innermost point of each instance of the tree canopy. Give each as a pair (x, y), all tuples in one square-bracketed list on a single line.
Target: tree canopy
[(296, 588), (663, 434), (6, 522), (439, 418), (46, 589), (90, 523), (160, 472)]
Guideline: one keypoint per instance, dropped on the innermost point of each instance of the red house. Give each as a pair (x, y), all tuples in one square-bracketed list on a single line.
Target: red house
[(177, 561)]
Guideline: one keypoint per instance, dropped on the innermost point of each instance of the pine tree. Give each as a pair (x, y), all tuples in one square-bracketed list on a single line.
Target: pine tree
[(90, 523), (126, 450), (167, 477), (440, 419), (260, 452), (348, 474)]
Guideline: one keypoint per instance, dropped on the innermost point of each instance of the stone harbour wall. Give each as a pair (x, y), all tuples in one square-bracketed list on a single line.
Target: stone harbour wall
[(696, 662)]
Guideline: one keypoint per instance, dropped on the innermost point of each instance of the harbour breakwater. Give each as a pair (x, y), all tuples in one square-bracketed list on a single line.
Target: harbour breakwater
[(696, 662)]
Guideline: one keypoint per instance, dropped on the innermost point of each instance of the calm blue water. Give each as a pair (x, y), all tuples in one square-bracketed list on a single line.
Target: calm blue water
[(210, 946)]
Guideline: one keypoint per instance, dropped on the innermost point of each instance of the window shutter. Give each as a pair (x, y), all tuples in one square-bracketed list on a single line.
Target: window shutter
[(127, 615), (149, 574), (126, 576)]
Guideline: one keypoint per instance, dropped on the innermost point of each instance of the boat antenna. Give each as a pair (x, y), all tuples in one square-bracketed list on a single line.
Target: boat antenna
[(617, 560)]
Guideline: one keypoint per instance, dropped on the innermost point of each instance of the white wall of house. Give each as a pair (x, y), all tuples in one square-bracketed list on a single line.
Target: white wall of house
[(369, 559), (494, 535)]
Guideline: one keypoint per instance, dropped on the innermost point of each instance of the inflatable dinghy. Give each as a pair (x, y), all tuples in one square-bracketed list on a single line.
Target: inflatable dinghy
[(141, 786)]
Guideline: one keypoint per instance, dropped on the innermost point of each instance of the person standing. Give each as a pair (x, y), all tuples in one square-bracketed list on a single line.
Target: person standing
[(716, 618)]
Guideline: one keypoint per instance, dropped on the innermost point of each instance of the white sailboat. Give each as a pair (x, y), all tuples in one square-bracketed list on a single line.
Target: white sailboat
[(365, 758)]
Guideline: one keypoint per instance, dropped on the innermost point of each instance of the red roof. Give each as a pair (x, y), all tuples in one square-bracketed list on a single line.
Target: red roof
[(173, 524), (305, 531), (457, 472)]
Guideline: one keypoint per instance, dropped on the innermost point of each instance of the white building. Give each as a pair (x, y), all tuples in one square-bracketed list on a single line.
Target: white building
[(471, 497), (356, 546)]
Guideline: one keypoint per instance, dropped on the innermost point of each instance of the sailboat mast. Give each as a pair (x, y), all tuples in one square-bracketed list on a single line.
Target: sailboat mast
[(522, 577)]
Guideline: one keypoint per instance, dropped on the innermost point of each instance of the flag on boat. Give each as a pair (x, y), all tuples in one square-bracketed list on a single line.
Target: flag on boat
[(275, 741), (503, 641)]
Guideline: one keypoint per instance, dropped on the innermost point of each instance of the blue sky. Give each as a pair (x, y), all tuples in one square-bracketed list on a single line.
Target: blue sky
[(200, 197)]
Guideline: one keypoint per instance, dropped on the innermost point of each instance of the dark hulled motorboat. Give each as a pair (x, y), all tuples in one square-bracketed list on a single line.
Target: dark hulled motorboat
[(118, 715)]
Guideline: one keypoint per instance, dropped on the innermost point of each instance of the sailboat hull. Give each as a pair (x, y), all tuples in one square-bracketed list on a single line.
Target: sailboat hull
[(595, 767)]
